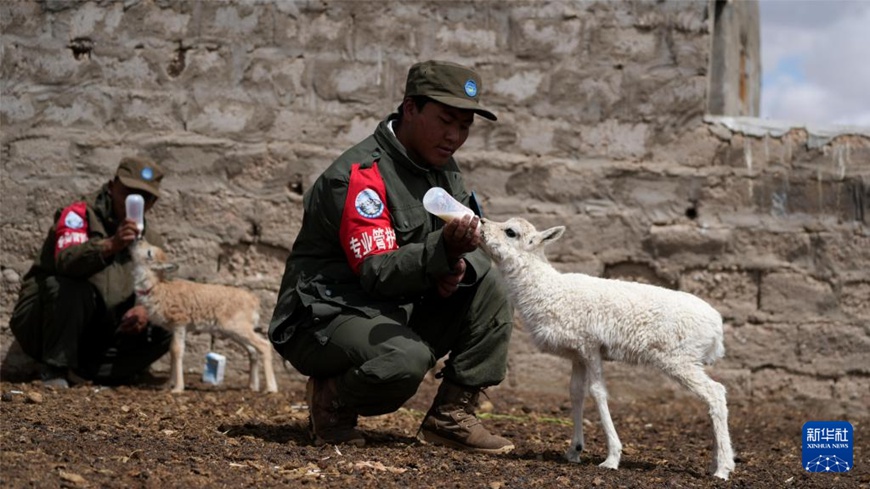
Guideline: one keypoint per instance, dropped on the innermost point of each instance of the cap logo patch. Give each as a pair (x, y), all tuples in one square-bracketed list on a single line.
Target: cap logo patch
[(368, 204), (471, 88), (147, 174), (74, 221)]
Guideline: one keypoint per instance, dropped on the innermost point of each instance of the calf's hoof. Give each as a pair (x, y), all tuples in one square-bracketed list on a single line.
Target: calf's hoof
[(573, 453)]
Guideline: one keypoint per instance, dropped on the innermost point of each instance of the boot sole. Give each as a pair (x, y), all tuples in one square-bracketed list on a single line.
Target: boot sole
[(319, 442), (430, 437)]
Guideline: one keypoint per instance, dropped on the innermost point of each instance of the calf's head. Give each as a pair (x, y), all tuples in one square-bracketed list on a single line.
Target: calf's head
[(516, 236), (151, 257)]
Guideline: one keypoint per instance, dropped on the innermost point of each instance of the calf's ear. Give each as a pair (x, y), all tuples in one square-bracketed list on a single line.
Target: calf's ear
[(552, 234), (166, 267)]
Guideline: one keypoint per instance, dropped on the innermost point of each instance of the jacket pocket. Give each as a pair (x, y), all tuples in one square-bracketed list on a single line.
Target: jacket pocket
[(411, 224)]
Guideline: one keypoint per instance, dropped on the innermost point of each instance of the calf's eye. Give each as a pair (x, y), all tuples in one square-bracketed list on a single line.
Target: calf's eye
[(510, 233)]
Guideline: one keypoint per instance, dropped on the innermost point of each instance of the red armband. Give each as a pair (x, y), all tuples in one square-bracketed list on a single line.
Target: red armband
[(72, 227), (366, 227)]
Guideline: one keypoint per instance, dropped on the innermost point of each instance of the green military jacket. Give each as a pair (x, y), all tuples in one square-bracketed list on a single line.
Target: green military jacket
[(317, 274), (112, 278)]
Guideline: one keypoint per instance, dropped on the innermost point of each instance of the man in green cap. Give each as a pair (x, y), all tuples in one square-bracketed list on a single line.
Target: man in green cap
[(376, 289), (76, 312)]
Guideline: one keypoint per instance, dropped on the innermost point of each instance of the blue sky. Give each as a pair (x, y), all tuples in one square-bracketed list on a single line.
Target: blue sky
[(815, 61)]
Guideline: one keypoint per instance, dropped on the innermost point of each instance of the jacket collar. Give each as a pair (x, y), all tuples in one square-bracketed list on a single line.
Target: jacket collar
[(389, 143), (102, 207)]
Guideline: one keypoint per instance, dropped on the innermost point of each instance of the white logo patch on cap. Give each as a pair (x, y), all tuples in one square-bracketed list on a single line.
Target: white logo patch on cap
[(74, 221), (147, 174), (368, 204), (470, 88)]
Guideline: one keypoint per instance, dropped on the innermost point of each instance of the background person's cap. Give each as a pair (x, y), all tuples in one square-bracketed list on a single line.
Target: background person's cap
[(141, 174), (449, 83)]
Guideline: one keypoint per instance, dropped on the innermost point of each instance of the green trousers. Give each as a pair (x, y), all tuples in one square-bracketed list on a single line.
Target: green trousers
[(63, 323), (380, 362)]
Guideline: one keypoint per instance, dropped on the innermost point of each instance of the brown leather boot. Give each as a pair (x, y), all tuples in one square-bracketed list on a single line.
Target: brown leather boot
[(328, 420), (451, 422)]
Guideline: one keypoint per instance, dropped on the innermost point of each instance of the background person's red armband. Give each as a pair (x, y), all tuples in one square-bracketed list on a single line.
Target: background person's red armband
[(72, 227)]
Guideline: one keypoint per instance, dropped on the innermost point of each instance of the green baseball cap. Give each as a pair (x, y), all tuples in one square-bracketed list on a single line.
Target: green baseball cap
[(141, 174), (449, 83)]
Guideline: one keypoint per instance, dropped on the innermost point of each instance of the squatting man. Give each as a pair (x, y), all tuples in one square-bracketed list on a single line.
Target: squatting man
[(376, 289)]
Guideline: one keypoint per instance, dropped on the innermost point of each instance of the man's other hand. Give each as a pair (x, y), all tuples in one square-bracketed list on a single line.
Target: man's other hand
[(448, 283), (134, 321)]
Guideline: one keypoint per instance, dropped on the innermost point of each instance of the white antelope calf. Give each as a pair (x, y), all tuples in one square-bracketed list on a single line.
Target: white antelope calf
[(589, 319)]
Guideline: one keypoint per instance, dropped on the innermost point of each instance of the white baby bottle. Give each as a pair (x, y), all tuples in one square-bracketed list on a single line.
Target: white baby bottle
[(439, 202), (136, 211)]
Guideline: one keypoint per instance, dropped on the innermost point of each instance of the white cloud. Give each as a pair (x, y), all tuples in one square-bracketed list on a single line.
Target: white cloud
[(815, 61)]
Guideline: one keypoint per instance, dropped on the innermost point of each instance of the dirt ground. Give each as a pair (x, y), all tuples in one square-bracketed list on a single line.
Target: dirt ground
[(226, 436)]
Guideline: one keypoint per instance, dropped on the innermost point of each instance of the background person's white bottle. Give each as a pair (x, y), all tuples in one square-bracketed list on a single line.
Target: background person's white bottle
[(439, 202), (136, 210)]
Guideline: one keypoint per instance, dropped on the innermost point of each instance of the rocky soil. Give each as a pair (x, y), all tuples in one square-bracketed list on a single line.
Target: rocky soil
[(226, 436)]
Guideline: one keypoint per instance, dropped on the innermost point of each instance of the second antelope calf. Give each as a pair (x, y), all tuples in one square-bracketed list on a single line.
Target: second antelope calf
[(178, 305)]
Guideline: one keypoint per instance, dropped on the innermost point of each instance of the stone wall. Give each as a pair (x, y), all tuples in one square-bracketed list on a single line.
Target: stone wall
[(601, 128)]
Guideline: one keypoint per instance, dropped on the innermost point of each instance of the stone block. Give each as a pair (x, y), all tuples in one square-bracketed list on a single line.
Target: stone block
[(128, 69), (852, 394), (754, 247), (762, 346), (556, 183), (628, 45), (149, 111), (855, 300), (22, 19), (467, 39), (688, 239), (248, 23), (844, 250), (20, 245), (46, 62), (16, 108), (38, 157), (806, 392), (280, 78), (597, 235), (349, 82), (520, 87), (613, 139), (579, 95), (782, 195), (833, 349), (665, 96), (662, 199), (228, 117), (796, 295), (544, 38), (693, 148), (206, 64), (690, 49), (732, 293), (252, 266)]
